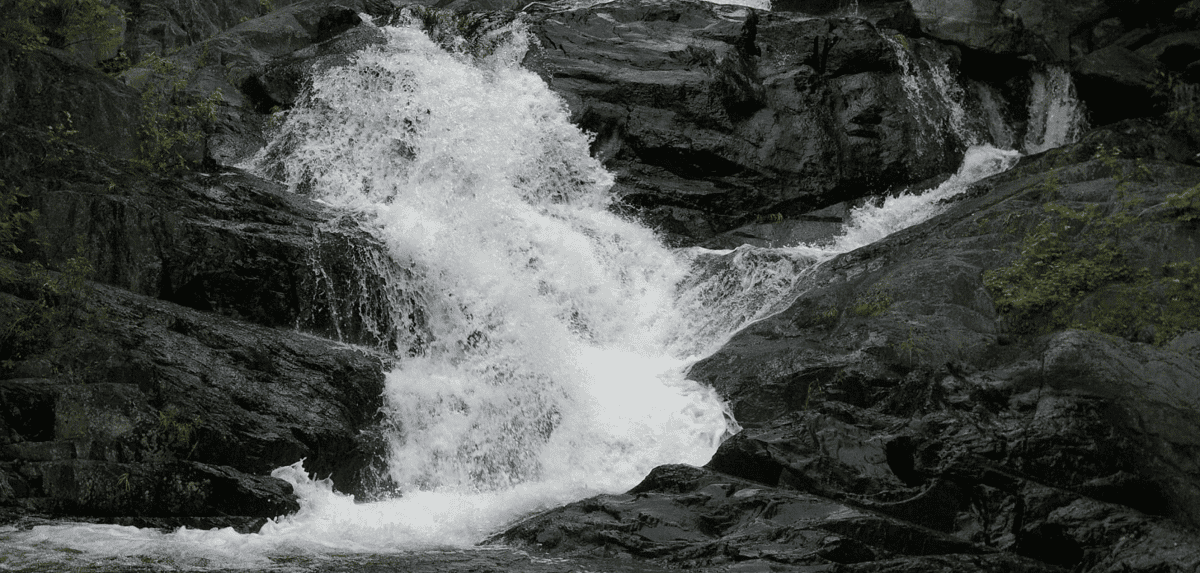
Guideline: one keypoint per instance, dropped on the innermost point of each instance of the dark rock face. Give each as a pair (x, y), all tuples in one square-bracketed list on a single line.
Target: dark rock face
[(155, 410), (135, 409), (228, 243), (712, 114), (164, 26), (43, 90), (697, 518), (1026, 451)]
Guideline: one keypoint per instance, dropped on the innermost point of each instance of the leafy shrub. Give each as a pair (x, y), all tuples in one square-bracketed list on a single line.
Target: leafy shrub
[(14, 220), (1186, 204), (64, 24), (172, 120), (1072, 272), (1039, 290), (59, 302), (873, 303)]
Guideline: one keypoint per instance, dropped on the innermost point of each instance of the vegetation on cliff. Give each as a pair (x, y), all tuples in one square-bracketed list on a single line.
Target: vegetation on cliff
[(63, 24), (1085, 266)]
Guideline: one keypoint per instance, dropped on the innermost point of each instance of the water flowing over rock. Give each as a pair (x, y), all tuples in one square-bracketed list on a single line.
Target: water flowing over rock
[(710, 115), (409, 289), (892, 386)]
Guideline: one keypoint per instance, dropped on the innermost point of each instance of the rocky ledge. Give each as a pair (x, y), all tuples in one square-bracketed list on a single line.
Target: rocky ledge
[(904, 415), (1011, 386)]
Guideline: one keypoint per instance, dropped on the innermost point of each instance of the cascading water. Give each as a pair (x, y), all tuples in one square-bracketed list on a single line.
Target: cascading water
[(543, 369), (934, 97), (1056, 117), (546, 365)]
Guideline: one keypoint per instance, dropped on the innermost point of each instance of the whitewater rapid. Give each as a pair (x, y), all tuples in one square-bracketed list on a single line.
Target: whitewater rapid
[(558, 333)]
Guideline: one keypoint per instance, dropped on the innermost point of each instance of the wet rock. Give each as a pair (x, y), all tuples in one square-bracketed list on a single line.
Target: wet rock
[(697, 518), (44, 90), (1043, 30), (167, 390), (149, 409), (229, 243), (1117, 84), (936, 412), (711, 116), (165, 26)]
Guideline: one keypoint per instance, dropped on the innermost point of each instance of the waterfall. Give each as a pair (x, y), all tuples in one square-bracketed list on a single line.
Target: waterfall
[(933, 95), (990, 102), (540, 340), (546, 313), (1056, 116)]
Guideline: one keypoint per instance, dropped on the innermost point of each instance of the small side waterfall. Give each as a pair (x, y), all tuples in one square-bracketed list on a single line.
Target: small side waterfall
[(1056, 116), (990, 105), (933, 94)]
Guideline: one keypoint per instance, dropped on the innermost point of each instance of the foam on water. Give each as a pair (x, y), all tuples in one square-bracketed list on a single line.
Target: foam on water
[(872, 222), (737, 287), (550, 364), (545, 372)]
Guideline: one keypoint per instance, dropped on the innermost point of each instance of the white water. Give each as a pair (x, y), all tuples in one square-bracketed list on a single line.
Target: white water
[(933, 96), (1056, 117), (758, 4), (548, 373), (557, 331)]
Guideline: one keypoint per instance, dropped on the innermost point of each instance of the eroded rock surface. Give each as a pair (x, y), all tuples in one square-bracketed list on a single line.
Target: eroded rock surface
[(163, 396), (710, 115), (894, 388)]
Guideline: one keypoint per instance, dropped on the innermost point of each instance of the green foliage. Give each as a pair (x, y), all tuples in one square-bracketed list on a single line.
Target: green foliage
[(1051, 275), (1110, 157), (912, 348), (1189, 12), (14, 220), (65, 24), (171, 436), (1073, 272), (1181, 311), (58, 137), (814, 391), (1180, 97), (873, 303), (1051, 185), (769, 218), (177, 434), (1186, 204), (58, 303), (171, 119)]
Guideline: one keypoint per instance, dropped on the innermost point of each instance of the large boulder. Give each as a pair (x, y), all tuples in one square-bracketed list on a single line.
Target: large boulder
[(711, 115), (229, 243), (709, 521), (48, 91), (136, 408), (907, 381), (165, 26), (907, 391), (123, 405)]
